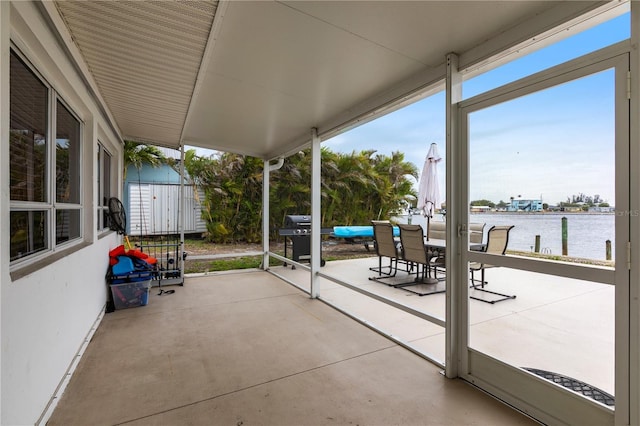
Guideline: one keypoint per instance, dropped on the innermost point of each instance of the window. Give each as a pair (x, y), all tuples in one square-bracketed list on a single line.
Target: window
[(45, 183), (67, 175), (104, 187)]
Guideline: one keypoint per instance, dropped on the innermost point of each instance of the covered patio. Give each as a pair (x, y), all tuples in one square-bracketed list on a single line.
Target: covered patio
[(268, 79), (247, 348), (288, 360), (576, 315)]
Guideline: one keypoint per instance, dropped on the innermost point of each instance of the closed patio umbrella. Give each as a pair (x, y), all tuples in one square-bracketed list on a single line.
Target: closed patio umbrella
[(428, 189)]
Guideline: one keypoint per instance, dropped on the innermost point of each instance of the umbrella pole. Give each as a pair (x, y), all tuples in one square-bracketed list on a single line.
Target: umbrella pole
[(427, 279), (428, 219)]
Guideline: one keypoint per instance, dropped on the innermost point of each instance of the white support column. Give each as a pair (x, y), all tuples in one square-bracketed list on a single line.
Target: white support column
[(265, 214), (316, 252), (454, 206), (628, 409), (181, 215)]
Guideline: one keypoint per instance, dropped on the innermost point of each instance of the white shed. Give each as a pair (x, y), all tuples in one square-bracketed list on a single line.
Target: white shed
[(152, 201), (153, 209)]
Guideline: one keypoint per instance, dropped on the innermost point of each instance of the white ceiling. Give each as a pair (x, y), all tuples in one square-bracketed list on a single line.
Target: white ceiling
[(253, 77)]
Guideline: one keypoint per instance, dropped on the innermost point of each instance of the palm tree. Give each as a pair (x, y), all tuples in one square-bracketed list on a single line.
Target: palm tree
[(355, 189), (233, 190), (395, 189), (290, 191), (138, 154)]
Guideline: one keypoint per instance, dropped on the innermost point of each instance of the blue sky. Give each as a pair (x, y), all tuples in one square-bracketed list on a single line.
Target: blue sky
[(553, 144)]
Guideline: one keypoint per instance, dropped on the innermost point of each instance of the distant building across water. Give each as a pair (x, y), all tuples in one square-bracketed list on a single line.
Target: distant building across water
[(480, 209), (598, 209), (522, 205)]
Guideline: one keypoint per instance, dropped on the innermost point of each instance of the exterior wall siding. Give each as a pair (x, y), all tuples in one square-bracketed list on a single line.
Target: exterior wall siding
[(49, 307)]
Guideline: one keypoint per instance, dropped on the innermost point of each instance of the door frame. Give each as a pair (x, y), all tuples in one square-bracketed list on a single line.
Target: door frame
[(541, 399)]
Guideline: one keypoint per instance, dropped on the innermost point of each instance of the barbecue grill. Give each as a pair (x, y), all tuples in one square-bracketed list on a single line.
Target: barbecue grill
[(297, 228)]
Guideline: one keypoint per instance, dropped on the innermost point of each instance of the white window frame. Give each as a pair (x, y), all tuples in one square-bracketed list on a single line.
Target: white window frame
[(104, 193), (50, 206), (60, 206)]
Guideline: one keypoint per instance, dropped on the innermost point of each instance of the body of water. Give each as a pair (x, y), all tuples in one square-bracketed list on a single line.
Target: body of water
[(587, 233)]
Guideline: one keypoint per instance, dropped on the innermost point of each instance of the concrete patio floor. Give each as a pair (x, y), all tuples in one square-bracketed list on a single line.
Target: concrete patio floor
[(247, 348), (561, 325)]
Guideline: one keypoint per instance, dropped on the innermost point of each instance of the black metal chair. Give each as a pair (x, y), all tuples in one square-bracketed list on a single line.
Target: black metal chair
[(497, 241)]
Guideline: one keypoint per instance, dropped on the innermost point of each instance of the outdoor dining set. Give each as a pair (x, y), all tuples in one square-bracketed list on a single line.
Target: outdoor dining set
[(409, 260), (417, 263)]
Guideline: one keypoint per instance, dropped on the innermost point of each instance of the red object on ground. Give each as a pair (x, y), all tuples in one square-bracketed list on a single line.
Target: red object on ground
[(118, 251), (137, 253)]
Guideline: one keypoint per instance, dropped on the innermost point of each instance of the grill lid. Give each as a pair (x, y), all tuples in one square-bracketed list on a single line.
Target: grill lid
[(297, 221)]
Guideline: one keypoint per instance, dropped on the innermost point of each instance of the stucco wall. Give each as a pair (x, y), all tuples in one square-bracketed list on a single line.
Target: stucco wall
[(46, 317), (47, 313)]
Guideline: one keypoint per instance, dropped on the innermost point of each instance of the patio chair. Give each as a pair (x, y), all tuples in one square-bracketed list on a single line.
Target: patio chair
[(476, 236), (386, 245), (415, 251), (497, 240), (437, 231)]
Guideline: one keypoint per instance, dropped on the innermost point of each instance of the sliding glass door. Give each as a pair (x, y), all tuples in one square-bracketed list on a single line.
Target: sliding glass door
[(547, 175)]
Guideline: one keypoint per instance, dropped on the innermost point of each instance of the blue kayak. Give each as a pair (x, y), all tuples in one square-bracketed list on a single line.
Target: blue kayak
[(358, 231)]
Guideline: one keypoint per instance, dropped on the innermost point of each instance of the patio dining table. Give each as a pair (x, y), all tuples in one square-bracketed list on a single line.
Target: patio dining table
[(436, 244)]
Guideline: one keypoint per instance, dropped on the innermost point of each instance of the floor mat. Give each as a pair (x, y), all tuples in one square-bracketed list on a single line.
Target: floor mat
[(576, 386)]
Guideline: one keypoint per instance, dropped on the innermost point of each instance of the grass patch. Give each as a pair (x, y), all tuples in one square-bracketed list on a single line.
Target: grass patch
[(229, 264), (197, 243)]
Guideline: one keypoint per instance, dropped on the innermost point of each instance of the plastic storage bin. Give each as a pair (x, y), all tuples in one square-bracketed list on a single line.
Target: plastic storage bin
[(130, 294)]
